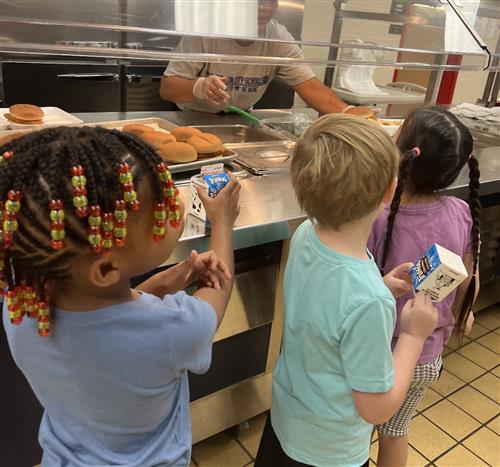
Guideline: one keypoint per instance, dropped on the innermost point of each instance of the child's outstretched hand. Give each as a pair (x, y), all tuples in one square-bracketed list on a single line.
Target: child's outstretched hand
[(398, 281), (224, 208), (419, 317), (206, 268)]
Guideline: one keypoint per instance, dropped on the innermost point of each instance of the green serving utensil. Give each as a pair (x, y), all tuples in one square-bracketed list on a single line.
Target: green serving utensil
[(251, 118)]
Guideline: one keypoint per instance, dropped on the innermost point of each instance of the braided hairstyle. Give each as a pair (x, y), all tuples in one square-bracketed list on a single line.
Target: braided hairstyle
[(445, 146), (39, 166)]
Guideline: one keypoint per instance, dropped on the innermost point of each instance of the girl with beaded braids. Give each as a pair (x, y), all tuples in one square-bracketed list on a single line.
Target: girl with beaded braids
[(434, 147), (82, 211)]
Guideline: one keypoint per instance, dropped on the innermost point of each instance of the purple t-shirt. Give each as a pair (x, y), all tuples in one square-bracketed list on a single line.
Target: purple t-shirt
[(447, 222)]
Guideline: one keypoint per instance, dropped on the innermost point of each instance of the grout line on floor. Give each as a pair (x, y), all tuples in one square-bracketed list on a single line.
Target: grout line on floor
[(476, 454), (242, 446), (471, 415), (485, 346)]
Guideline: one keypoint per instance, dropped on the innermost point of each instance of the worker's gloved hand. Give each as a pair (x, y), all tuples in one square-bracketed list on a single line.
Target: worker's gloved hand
[(211, 89)]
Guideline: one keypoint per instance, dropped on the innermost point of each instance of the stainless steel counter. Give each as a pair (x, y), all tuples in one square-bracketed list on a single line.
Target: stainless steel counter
[(268, 203)]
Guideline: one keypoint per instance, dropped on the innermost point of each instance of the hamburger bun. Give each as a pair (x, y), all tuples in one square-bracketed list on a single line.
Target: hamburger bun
[(183, 133), (157, 138), (178, 152), (136, 129), (206, 143), (25, 113), (363, 112), (4, 139)]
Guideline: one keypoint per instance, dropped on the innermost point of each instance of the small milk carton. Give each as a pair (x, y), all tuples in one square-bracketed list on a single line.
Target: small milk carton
[(438, 273), (212, 179)]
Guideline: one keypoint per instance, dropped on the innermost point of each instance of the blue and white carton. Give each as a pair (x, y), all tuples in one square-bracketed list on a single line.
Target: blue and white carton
[(438, 273), (212, 180)]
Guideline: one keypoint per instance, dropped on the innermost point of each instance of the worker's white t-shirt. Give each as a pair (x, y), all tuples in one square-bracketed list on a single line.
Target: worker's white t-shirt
[(247, 83)]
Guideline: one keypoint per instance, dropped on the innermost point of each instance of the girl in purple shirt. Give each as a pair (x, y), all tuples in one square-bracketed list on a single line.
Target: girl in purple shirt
[(435, 146)]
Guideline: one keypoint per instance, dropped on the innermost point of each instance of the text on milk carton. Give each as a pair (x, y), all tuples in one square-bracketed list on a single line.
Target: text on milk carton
[(212, 180), (438, 273)]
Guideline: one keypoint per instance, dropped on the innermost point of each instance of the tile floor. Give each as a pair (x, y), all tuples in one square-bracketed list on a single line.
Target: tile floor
[(457, 424)]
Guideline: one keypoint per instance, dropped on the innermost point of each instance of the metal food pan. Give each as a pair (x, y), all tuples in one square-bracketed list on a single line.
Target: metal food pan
[(265, 158), (240, 134), (163, 124), (227, 156)]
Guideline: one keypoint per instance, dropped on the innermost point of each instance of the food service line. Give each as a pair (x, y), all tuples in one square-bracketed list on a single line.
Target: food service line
[(267, 202)]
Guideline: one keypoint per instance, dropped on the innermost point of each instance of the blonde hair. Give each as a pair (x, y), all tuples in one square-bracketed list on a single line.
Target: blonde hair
[(342, 168)]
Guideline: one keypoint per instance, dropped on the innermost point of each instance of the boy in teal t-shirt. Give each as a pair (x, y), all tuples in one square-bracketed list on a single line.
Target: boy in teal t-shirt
[(336, 375)]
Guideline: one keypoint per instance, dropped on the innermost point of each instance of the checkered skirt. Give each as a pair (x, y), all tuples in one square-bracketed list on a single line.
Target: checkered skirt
[(423, 376)]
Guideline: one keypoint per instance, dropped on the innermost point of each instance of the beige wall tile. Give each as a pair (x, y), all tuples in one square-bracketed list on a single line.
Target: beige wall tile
[(452, 420), (459, 457), (428, 439), (485, 444), (475, 404)]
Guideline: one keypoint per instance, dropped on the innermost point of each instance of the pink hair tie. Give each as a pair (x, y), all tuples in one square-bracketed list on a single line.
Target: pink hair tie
[(416, 151)]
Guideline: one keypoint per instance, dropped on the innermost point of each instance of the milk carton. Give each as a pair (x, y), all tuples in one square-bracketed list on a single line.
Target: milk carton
[(212, 180), (438, 273)]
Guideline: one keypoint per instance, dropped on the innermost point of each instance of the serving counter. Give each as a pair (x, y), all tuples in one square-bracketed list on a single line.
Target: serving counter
[(268, 202)]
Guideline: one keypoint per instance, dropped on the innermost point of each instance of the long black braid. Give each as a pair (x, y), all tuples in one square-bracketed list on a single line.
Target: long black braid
[(40, 169), (404, 170), (445, 146), (475, 209)]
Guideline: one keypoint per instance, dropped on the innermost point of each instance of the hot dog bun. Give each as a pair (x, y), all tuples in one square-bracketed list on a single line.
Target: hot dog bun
[(183, 133), (363, 112), (178, 152), (206, 143)]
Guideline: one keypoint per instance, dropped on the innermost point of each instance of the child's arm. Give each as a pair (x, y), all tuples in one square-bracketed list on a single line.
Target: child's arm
[(206, 268), (462, 290), (418, 320), (221, 211)]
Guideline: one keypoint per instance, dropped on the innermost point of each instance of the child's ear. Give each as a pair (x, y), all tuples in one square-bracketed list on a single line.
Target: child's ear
[(389, 193), (104, 272)]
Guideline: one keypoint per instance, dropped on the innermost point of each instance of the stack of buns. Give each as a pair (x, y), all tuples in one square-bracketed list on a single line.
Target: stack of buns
[(181, 145), (25, 114)]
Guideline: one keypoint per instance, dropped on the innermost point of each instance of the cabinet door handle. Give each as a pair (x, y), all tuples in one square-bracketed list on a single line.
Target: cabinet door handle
[(113, 77), (142, 78)]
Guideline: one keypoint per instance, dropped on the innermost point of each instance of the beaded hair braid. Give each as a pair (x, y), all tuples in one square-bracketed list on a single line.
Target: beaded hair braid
[(435, 146), (63, 190)]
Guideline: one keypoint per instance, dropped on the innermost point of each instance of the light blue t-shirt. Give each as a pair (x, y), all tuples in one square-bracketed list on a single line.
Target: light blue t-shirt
[(113, 381), (338, 325)]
